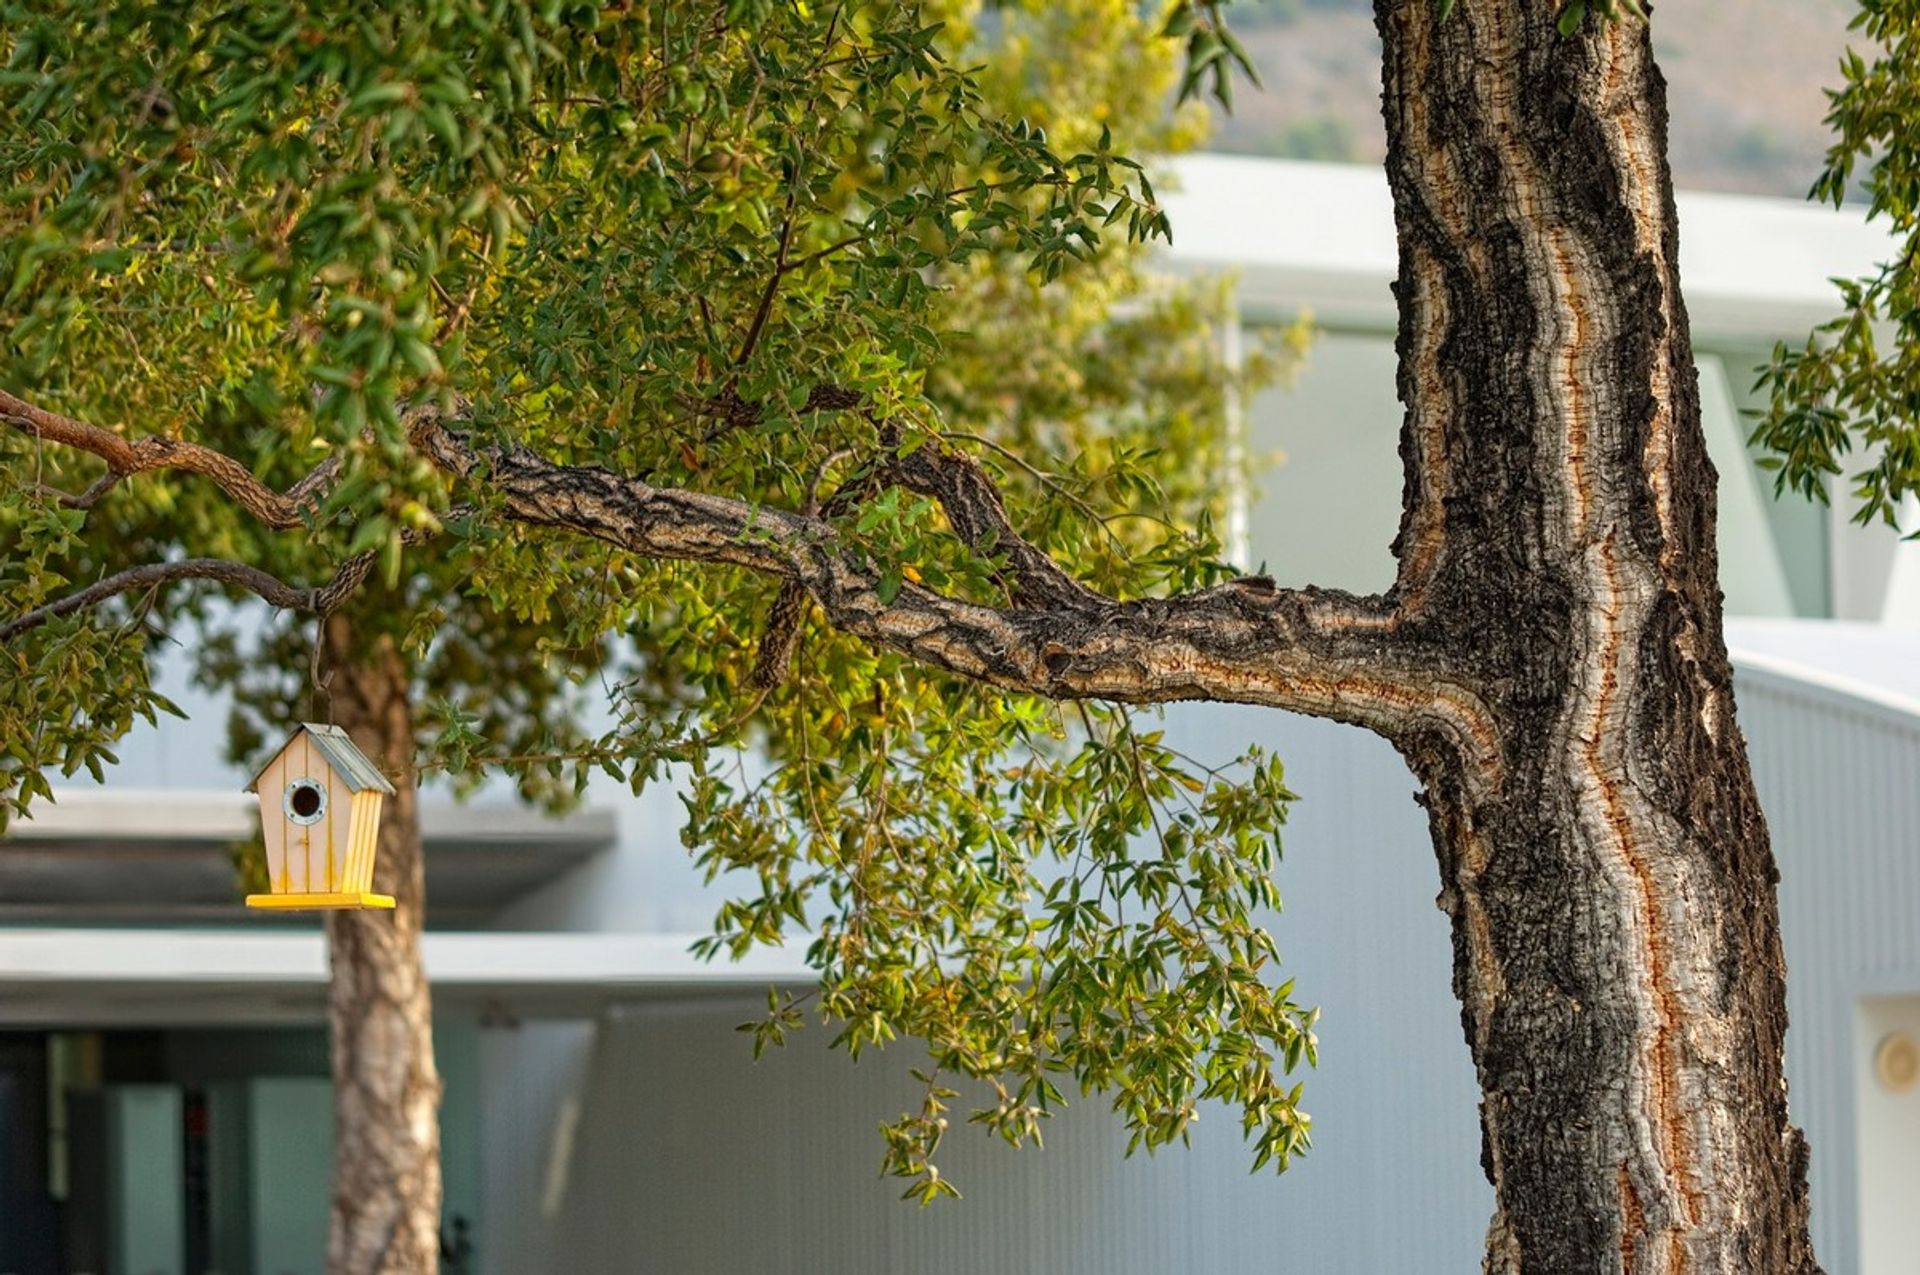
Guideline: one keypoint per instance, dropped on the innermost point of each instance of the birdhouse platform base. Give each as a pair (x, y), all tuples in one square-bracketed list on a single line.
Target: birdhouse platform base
[(320, 902)]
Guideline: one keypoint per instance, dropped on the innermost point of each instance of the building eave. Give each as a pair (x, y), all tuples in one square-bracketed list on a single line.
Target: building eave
[(1321, 237), (172, 977), (96, 856)]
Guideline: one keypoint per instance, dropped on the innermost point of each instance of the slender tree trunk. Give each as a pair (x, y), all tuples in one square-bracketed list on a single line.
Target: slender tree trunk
[(386, 1168), (1611, 888)]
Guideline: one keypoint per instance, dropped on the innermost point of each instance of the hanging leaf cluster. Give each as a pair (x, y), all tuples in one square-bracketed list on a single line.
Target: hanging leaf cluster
[(1855, 382)]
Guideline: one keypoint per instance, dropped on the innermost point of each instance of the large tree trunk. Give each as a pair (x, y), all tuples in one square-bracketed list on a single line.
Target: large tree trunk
[(1616, 937), (386, 1168)]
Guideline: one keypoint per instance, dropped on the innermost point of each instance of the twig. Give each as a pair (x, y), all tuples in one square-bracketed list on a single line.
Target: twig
[(765, 308), (279, 510)]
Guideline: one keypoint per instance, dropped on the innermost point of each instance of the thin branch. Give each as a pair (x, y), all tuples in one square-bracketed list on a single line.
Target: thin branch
[(819, 254), (88, 498), (322, 600), (765, 308), (679, 750), (274, 591), (732, 412), (812, 506), (126, 457)]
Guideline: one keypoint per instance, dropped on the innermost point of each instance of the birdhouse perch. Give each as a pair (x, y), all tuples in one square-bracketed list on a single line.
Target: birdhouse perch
[(320, 802)]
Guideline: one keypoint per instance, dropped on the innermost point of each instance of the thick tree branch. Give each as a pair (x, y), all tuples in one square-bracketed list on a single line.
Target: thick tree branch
[(782, 635), (979, 517), (126, 457), (1324, 653), (790, 604)]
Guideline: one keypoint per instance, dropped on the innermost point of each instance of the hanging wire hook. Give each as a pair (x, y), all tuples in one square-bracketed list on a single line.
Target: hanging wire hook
[(319, 683)]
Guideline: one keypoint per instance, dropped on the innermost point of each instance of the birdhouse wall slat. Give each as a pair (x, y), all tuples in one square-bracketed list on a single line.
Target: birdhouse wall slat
[(273, 825), (302, 859), (339, 826), (375, 802), (366, 822), (350, 870)]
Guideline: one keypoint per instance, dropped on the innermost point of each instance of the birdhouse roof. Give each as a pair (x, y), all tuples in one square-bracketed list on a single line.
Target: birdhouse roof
[(355, 769)]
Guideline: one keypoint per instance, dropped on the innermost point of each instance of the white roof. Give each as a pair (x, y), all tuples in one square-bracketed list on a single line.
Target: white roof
[(1872, 662), (1321, 236), (135, 855), (193, 814)]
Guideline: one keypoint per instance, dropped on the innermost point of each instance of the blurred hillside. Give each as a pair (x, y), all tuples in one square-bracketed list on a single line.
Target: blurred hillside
[(1745, 82)]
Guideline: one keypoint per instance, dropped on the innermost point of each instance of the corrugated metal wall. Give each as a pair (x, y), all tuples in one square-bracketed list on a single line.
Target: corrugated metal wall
[(1839, 776), (687, 1157)]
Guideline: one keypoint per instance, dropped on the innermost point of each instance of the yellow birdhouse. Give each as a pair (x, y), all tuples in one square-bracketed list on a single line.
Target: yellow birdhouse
[(320, 814)]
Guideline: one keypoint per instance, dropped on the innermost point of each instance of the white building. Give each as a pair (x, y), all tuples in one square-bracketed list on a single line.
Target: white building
[(162, 1063)]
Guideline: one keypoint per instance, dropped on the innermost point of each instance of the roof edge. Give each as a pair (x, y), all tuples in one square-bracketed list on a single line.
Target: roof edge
[(341, 753), (1904, 708)]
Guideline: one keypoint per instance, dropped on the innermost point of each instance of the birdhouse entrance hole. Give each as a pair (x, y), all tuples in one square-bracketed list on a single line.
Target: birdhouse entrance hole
[(306, 801)]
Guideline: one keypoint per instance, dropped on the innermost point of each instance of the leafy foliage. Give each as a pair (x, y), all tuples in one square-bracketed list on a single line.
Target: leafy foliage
[(747, 248), (1214, 53), (81, 684), (1856, 381)]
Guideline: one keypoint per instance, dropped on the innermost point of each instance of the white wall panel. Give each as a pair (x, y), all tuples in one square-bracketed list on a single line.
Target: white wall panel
[(1839, 777)]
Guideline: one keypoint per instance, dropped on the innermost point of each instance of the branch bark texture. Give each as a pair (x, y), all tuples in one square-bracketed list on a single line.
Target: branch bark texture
[(1316, 651), (126, 457)]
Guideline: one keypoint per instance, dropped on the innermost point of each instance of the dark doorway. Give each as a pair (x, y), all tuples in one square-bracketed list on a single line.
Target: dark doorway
[(29, 1235)]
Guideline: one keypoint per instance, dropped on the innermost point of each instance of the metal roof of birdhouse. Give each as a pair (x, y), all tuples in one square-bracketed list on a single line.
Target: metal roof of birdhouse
[(355, 769)]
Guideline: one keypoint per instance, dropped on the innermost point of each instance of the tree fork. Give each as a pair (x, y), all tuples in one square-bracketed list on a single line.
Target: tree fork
[(1611, 891), (386, 1162)]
